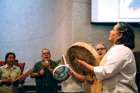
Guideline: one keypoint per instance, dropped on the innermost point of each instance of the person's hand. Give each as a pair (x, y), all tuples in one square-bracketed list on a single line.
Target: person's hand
[(41, 72), (71, 71), (85, 65), (80, 61), (45, 64)]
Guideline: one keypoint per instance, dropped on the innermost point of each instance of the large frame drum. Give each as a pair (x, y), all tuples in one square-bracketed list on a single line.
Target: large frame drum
[(84, 51)]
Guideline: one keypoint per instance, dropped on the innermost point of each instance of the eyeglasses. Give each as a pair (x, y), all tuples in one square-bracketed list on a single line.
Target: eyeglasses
[(46, 53), (100, 49)]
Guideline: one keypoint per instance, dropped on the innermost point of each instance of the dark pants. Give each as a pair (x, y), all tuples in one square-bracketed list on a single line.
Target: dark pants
[(47, 90)]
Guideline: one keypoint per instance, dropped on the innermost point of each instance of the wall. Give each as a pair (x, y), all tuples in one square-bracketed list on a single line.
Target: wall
[(27, 26)]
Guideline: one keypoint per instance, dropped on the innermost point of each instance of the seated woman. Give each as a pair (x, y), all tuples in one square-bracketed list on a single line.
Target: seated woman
[(8, 74)]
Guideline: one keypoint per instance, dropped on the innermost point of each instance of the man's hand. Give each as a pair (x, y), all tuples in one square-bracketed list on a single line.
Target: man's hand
[(41, 72), (45, 64), (85, 64), (79, 61)]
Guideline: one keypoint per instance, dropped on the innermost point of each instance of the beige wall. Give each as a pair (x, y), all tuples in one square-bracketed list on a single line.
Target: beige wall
[(27, 26)]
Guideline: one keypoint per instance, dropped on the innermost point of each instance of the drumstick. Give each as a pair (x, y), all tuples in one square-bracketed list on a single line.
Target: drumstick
[(64, 59), (65, 62), (24, 75)]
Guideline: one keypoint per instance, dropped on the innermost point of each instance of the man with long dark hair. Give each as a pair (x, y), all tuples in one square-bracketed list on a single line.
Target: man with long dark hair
[(117, 69)]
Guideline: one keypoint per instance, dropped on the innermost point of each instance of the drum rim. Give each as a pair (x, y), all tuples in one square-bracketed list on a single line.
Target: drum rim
[(87, 47), (59, 67)]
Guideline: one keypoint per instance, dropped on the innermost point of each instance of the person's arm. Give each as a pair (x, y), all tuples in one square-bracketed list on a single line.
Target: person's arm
[(35, 73), (48, 66), (23, 76), (113, 63), (38, 74), (81, 78), (86, 65), (18, 71), (5, 81), (77, 75)]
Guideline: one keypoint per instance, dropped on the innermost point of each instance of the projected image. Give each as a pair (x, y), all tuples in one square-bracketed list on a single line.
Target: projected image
[(105, 10), (130, 9), (115, 10)]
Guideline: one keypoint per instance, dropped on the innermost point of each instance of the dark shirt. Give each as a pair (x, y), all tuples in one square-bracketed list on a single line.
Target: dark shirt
[(46, 83)]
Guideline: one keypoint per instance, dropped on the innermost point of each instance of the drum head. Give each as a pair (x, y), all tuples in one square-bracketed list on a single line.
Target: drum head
[(61, 72), (84, 51)]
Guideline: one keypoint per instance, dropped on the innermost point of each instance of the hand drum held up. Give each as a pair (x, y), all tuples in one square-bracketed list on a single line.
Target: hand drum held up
[(84, 51)]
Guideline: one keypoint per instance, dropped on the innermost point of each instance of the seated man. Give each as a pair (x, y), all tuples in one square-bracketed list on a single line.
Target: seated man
[(8, 74)]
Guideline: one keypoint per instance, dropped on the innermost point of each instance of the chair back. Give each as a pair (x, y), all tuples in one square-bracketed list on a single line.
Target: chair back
[(20, 65)]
